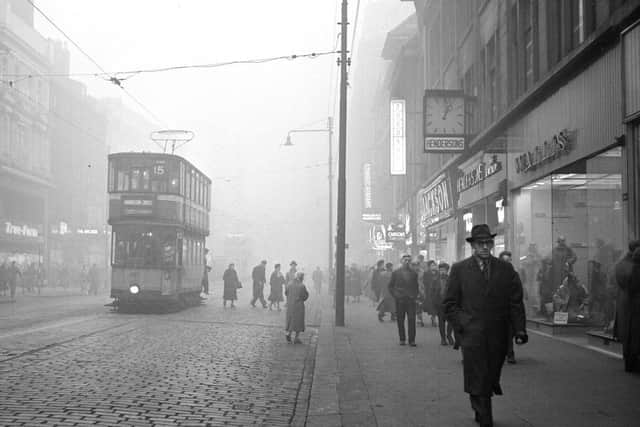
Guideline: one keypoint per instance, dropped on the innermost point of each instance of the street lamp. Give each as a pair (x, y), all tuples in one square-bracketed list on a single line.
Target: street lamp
[(289, 143)]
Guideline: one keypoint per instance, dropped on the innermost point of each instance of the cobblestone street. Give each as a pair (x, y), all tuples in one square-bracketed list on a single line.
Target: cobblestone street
[(205, 365)]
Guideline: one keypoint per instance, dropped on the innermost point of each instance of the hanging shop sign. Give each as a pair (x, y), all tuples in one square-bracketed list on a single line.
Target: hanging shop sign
[(396, 233), (372, 217), (435, 202), (366, 186), (548, 151), (479, 172), (398, 137), (20, 230), (378, 238), (444, 121)]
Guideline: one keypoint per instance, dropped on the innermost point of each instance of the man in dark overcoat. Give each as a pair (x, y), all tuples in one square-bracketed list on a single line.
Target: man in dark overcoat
[(627, 325), (484, 298), (404, 288), (259, 277)]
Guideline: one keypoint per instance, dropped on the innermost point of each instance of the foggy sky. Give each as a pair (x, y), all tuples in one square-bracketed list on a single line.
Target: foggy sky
[(240, 114)]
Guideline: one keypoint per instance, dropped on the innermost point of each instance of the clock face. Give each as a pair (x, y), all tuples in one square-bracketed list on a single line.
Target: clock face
[(444, 115)]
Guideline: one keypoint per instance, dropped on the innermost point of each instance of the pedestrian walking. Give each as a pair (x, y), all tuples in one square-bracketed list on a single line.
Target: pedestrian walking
[(293, 271), (627, 325), (205, 273), (259, 277), (429, 277), (4, 276), (12, 278), (438, 292), (388, 303), (483, 298), (377, 285), (231, 286), (317, 278), (511, 355), (276, 281), (297, 294), (404, 288)]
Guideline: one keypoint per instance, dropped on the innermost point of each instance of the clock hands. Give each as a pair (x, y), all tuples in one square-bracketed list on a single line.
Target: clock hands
[(447, 109)]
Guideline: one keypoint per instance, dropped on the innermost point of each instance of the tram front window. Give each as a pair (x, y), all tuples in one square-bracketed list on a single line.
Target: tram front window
[(151, 247)]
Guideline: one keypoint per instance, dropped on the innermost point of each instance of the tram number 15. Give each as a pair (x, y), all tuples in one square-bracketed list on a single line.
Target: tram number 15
[(158, 170)]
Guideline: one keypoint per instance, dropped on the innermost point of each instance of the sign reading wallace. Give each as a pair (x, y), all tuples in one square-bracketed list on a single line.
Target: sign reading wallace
[(435, 202), (547, 151)]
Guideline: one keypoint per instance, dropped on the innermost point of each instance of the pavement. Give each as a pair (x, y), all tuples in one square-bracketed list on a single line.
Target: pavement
[(363, 377), (71, 361)]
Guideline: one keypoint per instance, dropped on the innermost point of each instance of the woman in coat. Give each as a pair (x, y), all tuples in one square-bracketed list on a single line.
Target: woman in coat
[(231, 284), (296, 294), (276, 281)]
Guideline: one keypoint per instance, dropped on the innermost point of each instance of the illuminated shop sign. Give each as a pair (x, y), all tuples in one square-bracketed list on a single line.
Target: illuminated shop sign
[(366, 186), (396, 233), (398, 138), (547, 151), (435, 202), (478, 173), (20, 230), (500, 210), (373, 217)]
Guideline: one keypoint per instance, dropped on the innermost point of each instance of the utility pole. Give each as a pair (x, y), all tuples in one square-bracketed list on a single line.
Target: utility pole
[(330, 260), (342, 167)]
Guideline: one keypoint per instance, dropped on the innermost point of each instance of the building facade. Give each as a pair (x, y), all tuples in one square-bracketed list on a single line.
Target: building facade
[(550, 160), (25, 171)]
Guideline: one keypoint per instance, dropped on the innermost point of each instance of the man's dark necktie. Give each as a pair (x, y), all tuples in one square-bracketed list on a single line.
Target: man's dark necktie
[(485, 269)]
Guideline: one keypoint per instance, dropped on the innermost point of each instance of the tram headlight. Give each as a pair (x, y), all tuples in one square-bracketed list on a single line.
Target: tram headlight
[(134, 289)]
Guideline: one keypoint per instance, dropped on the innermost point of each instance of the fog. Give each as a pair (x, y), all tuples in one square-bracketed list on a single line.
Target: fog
[(273, 195)]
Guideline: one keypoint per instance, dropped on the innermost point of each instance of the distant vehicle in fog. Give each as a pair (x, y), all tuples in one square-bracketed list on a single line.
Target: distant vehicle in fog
[(159, 212)]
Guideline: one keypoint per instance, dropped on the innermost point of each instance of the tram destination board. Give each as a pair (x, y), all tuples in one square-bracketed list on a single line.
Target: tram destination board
[(138, 206)]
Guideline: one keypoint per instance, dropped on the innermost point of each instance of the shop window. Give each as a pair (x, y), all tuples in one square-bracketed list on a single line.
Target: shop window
[(568, 228)]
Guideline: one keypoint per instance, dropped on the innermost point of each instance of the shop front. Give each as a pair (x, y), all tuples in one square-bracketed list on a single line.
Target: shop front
[(565, 176), (481, 196), (21, 227), (436, 222)]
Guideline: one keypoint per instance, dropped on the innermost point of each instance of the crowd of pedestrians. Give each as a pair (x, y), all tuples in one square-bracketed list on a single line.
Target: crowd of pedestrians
[(32, 278)]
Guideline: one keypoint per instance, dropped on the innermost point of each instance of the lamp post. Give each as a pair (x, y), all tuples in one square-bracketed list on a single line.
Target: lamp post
[(329, 130)]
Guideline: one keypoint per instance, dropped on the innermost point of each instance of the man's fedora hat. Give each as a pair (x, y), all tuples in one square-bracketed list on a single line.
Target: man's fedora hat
[(293, 263), (480, 232)]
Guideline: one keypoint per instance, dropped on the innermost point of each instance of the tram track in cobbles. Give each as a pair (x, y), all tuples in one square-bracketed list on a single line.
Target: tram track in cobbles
[(154, 370)]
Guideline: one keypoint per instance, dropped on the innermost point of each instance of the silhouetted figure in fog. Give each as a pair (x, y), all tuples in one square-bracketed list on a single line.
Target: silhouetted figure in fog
[(4, 275), (276, 281), (388, 303), (258, 275), (377, 285), (317, 278), (12, 278), (94, 280), (231, 285), (297, 294), (428, 279), (404, 288), (438, 292), (484, 298), (205, 274)]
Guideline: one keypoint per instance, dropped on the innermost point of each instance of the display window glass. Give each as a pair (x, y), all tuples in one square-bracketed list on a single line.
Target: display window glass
[(568, 236)]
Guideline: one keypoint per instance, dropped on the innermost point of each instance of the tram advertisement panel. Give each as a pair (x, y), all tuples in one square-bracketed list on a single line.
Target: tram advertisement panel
[(138, 205)]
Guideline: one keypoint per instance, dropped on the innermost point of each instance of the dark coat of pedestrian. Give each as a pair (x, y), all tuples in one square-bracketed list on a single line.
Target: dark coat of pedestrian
[(627, 326), (377, 284), (388, 303), (484, 296), (259, 277), (276, 282), (405, 289), (12, 278), (297, 294), (231, 285)]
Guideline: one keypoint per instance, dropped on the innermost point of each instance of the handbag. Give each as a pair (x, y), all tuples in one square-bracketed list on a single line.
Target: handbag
[(238, 285)]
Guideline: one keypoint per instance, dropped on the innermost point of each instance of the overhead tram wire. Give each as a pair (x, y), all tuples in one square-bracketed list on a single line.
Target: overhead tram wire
[(90, 58)]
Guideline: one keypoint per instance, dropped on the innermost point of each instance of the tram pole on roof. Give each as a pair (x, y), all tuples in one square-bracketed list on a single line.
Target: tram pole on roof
[(174, 138)]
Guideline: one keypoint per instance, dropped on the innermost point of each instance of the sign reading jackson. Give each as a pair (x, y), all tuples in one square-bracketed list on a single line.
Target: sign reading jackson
[(435, 201)]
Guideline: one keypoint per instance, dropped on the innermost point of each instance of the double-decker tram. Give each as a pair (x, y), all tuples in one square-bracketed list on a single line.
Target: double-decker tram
[(159, 213)]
